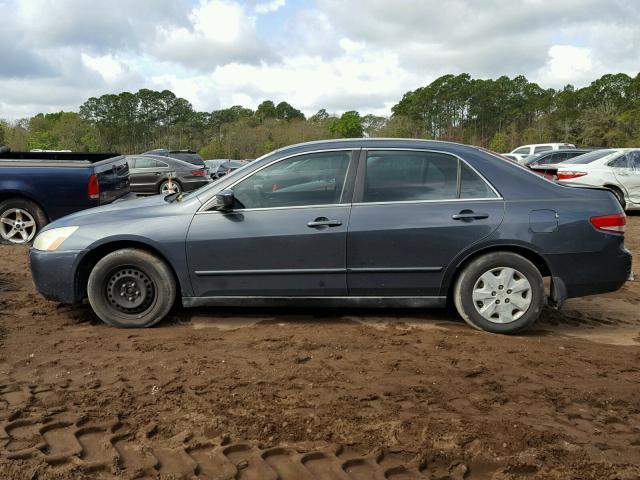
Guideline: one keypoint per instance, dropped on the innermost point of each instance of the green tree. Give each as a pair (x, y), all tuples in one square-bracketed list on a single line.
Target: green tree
[(319, 116), (284, 111), (3, 128), (349, 125), (265, 110), (499, 143)]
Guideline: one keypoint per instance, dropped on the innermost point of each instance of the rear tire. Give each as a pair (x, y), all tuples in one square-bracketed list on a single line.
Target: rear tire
[(619, 195), (20, 221), (164, 187), (131, 288), (500, 292)]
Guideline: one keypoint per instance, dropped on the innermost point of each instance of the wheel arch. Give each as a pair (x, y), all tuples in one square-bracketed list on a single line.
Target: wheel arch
[(11, 195), (619, 188), (88, 261), (452, 274)]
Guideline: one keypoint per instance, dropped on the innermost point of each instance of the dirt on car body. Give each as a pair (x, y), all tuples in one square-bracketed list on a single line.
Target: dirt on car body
[(323, 394)]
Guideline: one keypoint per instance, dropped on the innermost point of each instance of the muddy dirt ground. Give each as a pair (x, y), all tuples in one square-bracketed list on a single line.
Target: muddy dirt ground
[(335, 394)]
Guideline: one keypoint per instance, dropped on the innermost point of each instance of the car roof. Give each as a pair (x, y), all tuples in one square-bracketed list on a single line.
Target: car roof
[(391, 143)]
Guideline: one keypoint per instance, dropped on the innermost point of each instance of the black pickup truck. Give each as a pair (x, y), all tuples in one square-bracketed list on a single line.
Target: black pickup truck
[(39, 187)]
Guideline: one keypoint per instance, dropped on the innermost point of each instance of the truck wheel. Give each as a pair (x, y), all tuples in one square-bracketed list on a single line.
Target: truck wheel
[(131, 288), (20, 220), (500, 292)]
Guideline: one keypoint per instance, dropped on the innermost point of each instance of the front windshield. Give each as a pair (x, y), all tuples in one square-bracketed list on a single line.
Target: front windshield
[(589, 157)]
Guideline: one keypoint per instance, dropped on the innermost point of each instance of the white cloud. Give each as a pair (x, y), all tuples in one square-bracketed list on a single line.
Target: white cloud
[(568, 64), (364, 80), (220, 32), (268, 7), (362, 55), (106, 65)]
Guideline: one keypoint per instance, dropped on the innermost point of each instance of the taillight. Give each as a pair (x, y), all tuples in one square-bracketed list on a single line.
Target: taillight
[(93, 188), (199, 173), (569, 175), (610, 223)]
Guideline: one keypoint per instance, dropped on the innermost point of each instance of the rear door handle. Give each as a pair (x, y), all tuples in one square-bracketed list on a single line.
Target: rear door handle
[(324, 222), (469, 215)]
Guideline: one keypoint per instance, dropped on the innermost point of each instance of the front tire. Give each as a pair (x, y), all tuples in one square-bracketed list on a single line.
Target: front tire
[(500, 292), (131, 288)]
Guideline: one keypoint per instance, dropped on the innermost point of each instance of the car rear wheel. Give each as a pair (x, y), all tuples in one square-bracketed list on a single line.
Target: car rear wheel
[(167, 188), (131, 288), (619, 195), (500, 292), (20, 221)]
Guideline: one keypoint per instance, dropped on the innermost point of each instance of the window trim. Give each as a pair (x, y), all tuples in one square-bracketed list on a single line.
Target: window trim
[(362, 170), (347, 187)]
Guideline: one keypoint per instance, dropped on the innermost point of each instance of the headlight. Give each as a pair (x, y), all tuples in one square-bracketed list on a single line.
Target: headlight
[(52, 239)]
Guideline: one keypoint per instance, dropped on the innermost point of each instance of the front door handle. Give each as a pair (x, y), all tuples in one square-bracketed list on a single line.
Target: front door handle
[(324, 222), (469, 215)]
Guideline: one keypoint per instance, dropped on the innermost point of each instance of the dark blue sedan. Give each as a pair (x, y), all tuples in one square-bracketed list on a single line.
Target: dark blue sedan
[(361, 222)]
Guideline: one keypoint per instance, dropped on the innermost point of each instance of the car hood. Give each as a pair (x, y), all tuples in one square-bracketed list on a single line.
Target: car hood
[(127, 210)]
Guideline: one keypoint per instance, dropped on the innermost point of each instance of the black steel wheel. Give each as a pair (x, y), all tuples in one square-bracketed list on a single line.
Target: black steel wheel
[(131, 288)]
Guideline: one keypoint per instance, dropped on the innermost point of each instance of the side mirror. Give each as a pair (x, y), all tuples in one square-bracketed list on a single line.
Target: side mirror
[(224, 200)]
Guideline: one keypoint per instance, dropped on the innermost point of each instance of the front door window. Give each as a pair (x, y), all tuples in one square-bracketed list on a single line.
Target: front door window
[(304, 180)]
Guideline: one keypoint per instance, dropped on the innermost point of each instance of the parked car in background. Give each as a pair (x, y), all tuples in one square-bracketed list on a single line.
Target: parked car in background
[(154, 174), (39, 187), (525, 150), (546, 163), (221, 167), (184, 155), (509, 156), (360, 222), (616, 169)]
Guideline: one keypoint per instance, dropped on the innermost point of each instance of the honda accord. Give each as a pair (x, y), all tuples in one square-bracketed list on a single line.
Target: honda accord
[(363, 222)]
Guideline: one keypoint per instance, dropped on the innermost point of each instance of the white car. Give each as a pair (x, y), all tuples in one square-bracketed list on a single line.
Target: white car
[(617, 169), (525, 150)]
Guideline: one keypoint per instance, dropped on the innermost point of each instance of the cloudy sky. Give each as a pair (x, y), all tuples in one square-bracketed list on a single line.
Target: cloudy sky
[(334, 54)]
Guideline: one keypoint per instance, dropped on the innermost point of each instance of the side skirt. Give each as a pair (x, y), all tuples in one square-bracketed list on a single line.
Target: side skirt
[(316, 302)]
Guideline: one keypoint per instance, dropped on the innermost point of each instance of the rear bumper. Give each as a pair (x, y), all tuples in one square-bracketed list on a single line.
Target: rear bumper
[(582, 274), (54, 274)]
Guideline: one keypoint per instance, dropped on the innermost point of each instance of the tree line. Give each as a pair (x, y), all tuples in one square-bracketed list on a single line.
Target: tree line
[(499, 114)]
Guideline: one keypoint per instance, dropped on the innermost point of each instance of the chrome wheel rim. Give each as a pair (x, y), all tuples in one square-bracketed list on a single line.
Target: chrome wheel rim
[(165, 188), (17, 226), (502, 295)]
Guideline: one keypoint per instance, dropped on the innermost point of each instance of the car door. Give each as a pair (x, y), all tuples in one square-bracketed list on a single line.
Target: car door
[(147, 173), (414, 211), (286, 235), (627, 172)]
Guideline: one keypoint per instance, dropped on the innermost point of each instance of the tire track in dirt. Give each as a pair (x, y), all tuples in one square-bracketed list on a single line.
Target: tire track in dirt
[(110, 448)]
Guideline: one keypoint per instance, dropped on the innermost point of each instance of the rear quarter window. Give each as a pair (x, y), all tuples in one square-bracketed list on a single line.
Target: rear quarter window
[(472, 185)]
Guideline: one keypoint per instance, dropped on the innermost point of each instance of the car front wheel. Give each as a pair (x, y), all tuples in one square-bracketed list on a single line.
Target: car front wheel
[(500, 292), (131, 288)]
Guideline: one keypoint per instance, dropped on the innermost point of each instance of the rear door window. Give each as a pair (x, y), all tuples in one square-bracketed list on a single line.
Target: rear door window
[(146, 162), (408, 176), (522, 151)]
